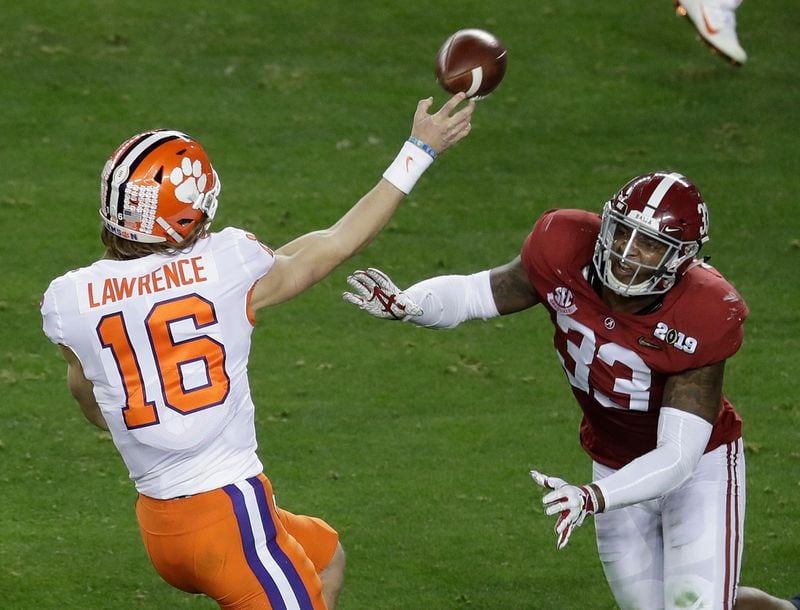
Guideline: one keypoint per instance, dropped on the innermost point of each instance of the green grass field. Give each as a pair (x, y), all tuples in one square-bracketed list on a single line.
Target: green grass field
[(414, 444)]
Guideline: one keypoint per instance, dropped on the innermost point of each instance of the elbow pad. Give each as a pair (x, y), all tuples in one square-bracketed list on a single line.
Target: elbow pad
[(682, 440), (448, 300)]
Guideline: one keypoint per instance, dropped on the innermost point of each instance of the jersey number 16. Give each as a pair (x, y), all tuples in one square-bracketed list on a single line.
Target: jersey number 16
[(169, 357)]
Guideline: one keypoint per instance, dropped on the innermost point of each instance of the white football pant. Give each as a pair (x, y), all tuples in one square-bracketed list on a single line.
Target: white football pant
[(683, 550)]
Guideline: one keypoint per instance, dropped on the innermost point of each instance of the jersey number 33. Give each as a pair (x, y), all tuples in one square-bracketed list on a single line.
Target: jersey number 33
[(582, 356)]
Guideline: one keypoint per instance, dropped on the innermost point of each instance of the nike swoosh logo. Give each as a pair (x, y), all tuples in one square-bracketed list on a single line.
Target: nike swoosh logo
[(645, 343), (709, 28), (409, 160)]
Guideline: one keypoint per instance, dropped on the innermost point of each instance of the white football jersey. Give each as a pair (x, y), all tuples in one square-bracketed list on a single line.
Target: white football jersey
[(165, 342)]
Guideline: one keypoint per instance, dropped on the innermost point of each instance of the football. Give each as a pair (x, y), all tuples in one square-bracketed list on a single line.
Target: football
[(473, 61)]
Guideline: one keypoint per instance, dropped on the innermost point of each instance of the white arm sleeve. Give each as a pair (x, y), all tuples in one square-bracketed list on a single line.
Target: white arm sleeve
[(682, 439), (449, 300)]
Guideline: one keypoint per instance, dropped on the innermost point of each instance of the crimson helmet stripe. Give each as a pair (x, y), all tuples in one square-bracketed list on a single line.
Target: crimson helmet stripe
[(130, 159), (660, 192)]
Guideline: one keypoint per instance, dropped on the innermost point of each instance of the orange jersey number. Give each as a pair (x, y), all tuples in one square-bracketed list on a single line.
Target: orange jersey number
[(170, 356)]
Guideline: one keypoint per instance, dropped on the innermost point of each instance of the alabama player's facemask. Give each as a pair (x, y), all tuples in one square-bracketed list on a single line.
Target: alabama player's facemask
[(157, 187), (658, 212)]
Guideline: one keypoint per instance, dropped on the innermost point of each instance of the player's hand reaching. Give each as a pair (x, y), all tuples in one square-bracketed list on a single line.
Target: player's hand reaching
[(571, 502), (376, 294), (447, 126)]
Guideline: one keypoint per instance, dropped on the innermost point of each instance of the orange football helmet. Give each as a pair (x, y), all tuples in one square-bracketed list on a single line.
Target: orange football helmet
[(157, 187)]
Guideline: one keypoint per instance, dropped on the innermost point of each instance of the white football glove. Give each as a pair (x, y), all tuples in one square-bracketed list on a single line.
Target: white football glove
[(376, 294), (571, 502)]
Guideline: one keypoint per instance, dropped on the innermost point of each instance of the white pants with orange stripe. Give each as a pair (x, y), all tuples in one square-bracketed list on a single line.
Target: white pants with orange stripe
[(682, 550)]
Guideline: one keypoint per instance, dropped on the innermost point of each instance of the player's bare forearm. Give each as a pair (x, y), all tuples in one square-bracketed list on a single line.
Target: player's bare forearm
[(697, 391), (359, 226), (83, 393), (511, 288), (91, 411), (82, 389), (356, 228), (308, 259)]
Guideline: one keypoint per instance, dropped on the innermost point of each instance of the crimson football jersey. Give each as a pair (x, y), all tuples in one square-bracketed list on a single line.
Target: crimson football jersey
[(617, 363)]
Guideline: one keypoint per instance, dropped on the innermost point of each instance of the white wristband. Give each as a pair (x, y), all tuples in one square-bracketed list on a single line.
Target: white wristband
[(407, 167)]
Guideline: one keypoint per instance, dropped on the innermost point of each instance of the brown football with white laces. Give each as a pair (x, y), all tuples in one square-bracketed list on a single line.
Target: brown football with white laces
[(473, 61)]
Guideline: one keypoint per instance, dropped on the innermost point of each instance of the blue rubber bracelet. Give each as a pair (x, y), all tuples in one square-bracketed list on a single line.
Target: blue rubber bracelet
[(419, 143)]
